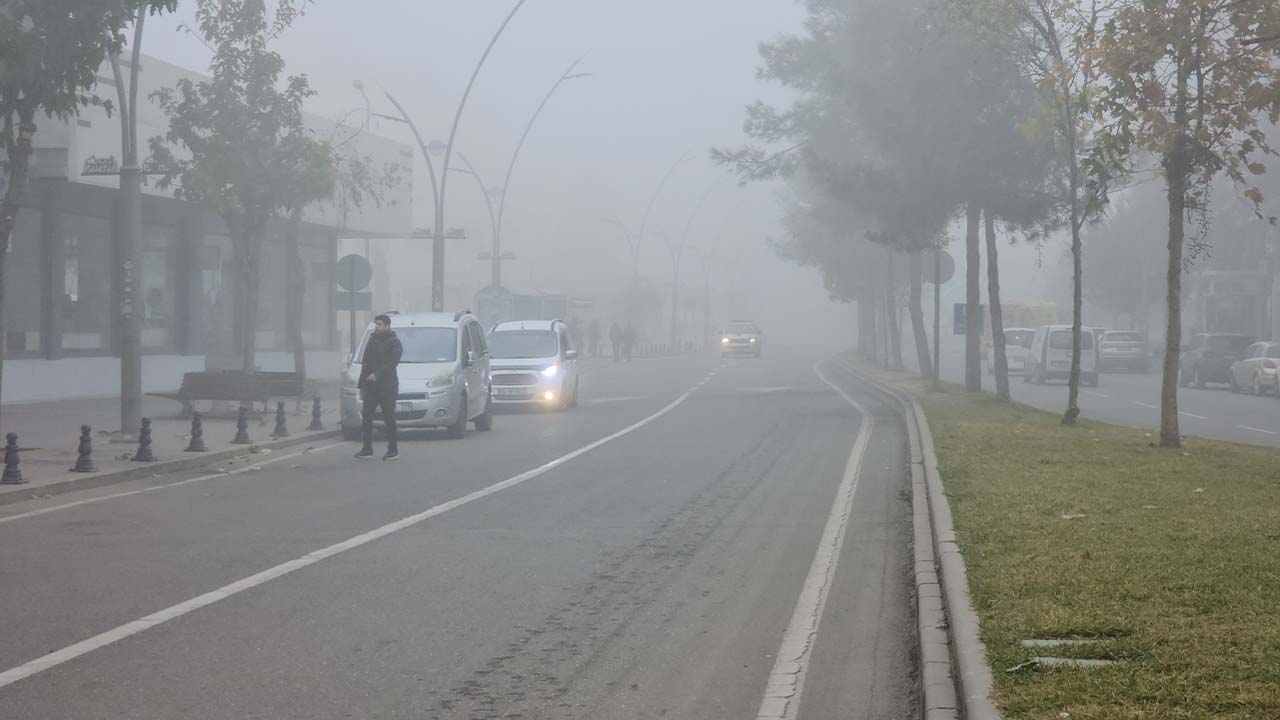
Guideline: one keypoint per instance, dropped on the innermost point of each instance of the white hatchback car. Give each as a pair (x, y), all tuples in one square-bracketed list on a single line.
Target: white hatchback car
[(534, 364)]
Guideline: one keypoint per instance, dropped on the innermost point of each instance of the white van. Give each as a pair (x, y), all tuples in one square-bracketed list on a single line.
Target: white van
[(1050, 355)]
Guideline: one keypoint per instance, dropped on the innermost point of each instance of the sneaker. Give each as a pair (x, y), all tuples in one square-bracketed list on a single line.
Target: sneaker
[(364, 454), (392, 454)]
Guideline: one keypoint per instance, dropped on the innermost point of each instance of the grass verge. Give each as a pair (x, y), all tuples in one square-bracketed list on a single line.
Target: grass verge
[(1170, 559)]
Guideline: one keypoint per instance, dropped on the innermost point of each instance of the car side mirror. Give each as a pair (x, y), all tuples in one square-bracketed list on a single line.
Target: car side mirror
[(570, 354), (470, 359)]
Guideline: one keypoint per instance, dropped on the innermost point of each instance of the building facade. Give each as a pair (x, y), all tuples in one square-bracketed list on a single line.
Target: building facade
[(63, 267)]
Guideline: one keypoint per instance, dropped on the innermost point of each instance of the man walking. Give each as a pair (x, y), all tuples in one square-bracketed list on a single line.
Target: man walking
[(593, 338), (379, 385), (615, 339)]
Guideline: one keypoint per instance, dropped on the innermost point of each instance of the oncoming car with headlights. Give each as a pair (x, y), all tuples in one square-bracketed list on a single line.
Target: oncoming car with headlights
[(444, 375), (741, 338), (534, 364)]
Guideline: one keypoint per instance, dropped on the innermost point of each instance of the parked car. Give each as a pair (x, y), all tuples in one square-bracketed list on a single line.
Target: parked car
[(1050, 355), (1257, 369), (534, 364), (1016, 343), (1208, 358), (444, 375), (1124, 349)]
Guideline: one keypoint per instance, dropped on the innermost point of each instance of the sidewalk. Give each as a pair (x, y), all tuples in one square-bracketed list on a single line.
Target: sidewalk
[(49, 435)]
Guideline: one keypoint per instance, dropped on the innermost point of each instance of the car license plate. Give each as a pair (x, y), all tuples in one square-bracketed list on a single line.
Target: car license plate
[(404, 407), (510, 391)]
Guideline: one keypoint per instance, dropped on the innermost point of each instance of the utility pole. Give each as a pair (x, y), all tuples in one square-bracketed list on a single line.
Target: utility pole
[(127, 322)]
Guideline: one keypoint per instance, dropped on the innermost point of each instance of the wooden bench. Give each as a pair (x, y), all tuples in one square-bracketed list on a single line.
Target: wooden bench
[(234, 386)]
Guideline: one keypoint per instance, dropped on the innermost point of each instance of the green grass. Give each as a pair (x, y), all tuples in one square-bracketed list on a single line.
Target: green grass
[(1171, 557)]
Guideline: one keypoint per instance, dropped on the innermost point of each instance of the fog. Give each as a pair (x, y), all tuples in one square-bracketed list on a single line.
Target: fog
[(668, 78)]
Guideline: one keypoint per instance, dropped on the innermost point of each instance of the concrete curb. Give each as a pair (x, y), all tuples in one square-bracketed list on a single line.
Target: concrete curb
[(23, 493), (947, 622)]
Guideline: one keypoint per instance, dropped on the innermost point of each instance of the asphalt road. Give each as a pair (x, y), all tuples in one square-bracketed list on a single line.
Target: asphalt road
[(657, 553), (1133, 399)]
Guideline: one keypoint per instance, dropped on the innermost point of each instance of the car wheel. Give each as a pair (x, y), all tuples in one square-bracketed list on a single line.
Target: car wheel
[(1235, 389), (1257, 385), (484, 421), (351, 434), (577, 384), (459, 427)]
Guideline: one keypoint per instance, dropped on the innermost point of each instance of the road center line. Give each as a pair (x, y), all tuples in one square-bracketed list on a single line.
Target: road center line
[(154, 488), (1192, 415), (1257, 430), (1147, 405), (791, 664), (1095, 394), (84, 647)]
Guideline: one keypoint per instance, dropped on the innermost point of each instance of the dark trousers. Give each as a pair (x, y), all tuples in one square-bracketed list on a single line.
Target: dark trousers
[(375, 396)]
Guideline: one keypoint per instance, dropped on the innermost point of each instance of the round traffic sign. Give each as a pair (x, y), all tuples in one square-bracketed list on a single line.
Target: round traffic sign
[(948, 268), (353, 273)]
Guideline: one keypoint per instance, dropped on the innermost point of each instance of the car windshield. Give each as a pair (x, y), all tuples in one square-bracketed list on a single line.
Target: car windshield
[(741, 329), (424, 345), (1061, 340), (1273, 352), (523, 344), (1017, 338), (1229, 343), (1123, 337)]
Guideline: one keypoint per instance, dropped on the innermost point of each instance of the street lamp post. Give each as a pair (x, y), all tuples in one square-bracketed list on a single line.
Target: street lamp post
[(497, 255), (644, 222), (437, 245)]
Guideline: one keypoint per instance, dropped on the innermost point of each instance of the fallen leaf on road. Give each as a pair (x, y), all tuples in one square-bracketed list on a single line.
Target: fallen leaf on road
[(1198, 490), (1076, 516)]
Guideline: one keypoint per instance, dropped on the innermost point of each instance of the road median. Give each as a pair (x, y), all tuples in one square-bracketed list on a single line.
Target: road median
[(1113, 578)]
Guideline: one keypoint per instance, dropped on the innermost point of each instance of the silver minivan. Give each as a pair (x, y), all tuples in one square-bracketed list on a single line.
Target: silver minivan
[(444, 375)]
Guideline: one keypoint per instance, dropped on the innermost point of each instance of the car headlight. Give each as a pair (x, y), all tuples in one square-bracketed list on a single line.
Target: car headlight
[(724, 341), (440, 381), (753, 339), (551, 371)]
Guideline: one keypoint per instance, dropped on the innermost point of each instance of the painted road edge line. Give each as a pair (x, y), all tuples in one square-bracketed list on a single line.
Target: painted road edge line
[(1264, 431), (786, 679), (155, 488), (71, 652)]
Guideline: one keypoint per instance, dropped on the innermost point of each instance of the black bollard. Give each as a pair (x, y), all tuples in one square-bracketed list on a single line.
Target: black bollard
[(12, 473), (315, 416), (197, 434), (280, 431), (84, 461), (144, 453), (242, 427)]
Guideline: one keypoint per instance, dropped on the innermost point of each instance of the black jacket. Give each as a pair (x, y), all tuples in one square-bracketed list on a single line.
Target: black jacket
[(381, 356)]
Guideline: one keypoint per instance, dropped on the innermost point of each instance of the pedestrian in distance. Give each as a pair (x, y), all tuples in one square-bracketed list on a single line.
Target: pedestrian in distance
[(379, 385), (628, 341), (593, 338), (615, 339)]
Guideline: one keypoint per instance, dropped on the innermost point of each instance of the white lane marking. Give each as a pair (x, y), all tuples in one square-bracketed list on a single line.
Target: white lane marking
[(154, 488), (1192, 415), (1257, 430), (1095, 394), (83, 647), (768, 390), (786, 680), (1147, 405), (603, 401)]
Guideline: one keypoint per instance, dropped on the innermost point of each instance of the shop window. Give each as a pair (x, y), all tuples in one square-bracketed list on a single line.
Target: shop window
[(86, 293), (24, 276)]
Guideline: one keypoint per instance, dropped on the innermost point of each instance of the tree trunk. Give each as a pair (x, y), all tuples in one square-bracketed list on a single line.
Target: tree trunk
[(1077, 267), (892, 328), (867, 349), (19, 164), (250, 292), (919, 332), (973, 300), (1001, 366), (1176, 170), (297, 291)]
